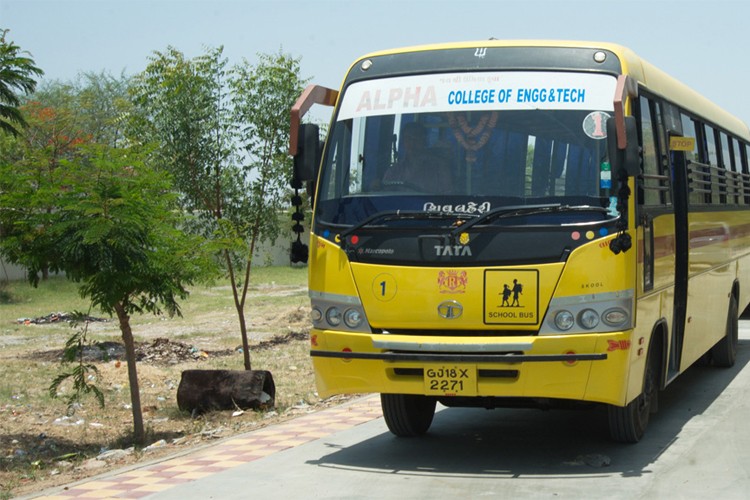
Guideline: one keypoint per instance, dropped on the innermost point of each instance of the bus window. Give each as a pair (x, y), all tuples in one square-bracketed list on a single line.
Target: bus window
[(696, 176), (737, 169), (712, 158), (661, 113), (651, 192), (725, 172), (511, 157)]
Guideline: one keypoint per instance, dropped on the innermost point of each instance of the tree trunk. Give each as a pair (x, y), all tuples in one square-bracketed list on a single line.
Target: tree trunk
[(239, 304), (243, 332), (139, 434)]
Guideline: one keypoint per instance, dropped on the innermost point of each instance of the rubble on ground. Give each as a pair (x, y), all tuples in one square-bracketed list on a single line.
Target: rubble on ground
[(163, 351), (58, 317)]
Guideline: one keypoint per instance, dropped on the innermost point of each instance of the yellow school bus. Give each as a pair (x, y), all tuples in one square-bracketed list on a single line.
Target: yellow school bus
[(520, 223)]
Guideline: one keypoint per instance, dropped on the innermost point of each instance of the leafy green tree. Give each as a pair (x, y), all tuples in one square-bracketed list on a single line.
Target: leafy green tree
[(29, 185), (221, 132), (17, 72), (60, 117), (262, 96), (116, 231), (96, 212), (181, 108)]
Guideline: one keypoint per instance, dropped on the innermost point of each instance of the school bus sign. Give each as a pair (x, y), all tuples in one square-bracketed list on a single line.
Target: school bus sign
[(511, 297)]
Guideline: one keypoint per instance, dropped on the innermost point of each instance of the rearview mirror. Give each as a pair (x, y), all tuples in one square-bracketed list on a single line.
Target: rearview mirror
[(628, 158), (308, 153)]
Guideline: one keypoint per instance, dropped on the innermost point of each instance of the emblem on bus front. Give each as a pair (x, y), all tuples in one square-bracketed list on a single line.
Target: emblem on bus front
[(450, 309), (452, 281)]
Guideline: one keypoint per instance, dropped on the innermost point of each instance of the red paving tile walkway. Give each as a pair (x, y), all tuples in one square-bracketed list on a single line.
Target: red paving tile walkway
[(143, 481)]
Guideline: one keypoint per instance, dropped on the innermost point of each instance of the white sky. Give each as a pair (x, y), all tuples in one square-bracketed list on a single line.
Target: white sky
[(704, 43)]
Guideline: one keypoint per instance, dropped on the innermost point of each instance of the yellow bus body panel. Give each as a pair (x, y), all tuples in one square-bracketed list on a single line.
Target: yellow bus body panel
[(591, 269), (418, 291)]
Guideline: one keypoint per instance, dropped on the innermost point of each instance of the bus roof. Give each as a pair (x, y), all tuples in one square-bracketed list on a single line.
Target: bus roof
[(649, 76)]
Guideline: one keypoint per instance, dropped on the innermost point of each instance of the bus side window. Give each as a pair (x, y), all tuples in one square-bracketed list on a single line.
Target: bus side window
[(696, 175), (746, 172), (651, 194), (704, 169), (739, 199), (712, 159), (662, 113), (725, 173)]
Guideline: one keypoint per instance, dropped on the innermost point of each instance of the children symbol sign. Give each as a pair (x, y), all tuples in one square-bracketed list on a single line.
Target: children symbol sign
[(507, 291)]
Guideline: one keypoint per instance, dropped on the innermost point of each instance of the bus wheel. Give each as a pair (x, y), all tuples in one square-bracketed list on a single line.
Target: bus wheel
[(407, 415), (724, 353), (628, 424)]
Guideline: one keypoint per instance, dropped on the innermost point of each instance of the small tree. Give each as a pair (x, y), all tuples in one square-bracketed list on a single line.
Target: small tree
[(117, 236), (262, 96), (222, 138)]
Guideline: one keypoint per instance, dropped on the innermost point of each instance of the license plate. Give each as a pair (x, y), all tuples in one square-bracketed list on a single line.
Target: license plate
[(451, 380)]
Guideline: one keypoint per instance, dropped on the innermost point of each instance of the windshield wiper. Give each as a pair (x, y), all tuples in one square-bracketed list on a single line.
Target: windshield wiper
[(523, 210), (399, 215)]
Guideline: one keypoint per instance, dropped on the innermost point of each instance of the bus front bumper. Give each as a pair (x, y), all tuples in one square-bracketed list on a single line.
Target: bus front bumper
[(575, 367)]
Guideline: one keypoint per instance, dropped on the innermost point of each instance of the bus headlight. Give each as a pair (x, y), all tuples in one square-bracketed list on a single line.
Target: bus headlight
[(333, 316), (588, 318), (564, 320), (353, 318), (338, 312), (590, 313), (316, 314)]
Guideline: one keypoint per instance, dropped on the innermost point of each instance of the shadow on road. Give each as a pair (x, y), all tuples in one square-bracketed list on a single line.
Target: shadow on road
[(533, 443)]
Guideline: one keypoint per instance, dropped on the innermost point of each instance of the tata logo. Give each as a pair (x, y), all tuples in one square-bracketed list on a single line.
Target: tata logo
[(480, 52), (450, 309), (452, 251)]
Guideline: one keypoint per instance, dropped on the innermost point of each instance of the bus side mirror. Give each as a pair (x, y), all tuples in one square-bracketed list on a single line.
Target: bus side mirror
[(624, 159), (307, 159)]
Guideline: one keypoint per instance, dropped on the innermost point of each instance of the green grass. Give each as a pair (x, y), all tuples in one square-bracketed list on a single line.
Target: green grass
[(284, 275), (61, 295), (25, 299)]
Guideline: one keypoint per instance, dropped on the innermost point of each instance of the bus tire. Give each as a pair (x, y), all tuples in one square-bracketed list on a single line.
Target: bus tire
[(628, 424), (407, 415), (724, 353)]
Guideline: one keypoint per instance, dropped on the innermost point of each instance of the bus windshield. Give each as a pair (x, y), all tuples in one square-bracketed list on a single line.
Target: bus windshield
[(470, 143)]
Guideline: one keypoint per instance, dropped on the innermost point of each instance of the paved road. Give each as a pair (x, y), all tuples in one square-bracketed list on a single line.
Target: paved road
[(697, 446)]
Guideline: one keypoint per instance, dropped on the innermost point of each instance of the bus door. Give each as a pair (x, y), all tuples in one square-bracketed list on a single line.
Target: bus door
[(663, 196), (681, 269)]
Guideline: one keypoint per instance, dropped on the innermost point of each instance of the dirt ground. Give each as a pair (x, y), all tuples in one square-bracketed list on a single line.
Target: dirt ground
[(44, 443)]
